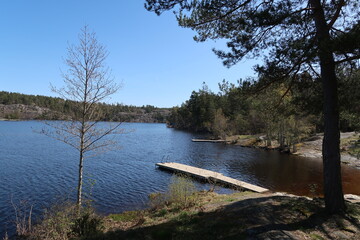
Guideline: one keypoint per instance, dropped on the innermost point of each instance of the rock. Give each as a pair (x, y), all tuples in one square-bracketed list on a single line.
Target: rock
[(352, 198)]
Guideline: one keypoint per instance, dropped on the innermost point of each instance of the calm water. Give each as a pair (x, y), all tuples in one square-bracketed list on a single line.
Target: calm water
[(40, 170)]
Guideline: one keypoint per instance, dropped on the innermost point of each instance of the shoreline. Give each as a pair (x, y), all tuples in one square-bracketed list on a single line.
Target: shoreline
[(312, 148)]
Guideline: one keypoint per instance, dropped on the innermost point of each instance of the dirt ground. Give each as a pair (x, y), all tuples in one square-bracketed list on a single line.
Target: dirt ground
[(241, 215)]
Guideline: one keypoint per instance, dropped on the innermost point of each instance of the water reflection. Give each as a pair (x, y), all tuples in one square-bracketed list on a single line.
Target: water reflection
[(38, 169)]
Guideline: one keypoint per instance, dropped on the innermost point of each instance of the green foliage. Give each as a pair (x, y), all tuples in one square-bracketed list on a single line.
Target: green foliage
[(315, 236), (235, 111), (197, 113), (161, 212), (283, 32), (284, 112), (128, 216), (180, 194), (181, 191), (293, 37), (219, 125), (12, 116)]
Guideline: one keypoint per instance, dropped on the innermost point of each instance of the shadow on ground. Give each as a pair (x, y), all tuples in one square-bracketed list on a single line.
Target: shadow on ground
[(275, 217)]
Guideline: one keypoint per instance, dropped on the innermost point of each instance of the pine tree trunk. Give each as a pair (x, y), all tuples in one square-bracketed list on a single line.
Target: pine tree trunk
[(334, 198)]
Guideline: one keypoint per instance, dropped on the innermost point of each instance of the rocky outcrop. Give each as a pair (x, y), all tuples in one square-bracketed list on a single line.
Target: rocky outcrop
[(25, 112), (31, 112)]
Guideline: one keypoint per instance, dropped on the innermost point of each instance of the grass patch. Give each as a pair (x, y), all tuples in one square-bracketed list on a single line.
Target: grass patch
[(245, 136), (315, 236), (221, 198), (161, 213), (128, 216)]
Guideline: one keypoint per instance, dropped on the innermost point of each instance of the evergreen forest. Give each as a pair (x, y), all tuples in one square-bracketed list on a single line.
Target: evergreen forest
[(286, 111)]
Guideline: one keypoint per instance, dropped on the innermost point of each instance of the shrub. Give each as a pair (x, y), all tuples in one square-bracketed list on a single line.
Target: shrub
[(157, 200), (23, 218), (56, 222), (181, 191), (180, 194), (66, 221), (88, 224)]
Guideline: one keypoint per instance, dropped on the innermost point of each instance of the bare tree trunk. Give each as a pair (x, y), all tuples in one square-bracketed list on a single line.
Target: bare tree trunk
[(81, 157), (87, 82), (334, 198), (80, 180)]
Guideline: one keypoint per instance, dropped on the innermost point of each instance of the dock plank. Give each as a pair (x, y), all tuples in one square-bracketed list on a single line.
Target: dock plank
[(207, 174), (208, 140)]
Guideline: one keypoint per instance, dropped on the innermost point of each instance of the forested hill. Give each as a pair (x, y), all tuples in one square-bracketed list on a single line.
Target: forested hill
[(283, 111), (26, 107)]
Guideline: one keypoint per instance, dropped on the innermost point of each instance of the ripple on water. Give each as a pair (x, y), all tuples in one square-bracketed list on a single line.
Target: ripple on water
[(42, 171)]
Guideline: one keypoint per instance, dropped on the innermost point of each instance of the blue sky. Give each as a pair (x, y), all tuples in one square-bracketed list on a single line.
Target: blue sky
[(157, 62)]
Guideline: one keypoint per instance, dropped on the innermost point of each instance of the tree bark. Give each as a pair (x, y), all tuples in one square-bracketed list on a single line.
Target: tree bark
[(80, 180), (334, 198)]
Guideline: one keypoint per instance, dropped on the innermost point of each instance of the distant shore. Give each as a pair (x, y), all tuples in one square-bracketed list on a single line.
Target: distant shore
[(11, 120)]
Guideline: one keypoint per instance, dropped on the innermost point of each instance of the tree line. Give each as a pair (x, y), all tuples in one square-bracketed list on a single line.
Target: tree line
[(60, 108), (286, 111)]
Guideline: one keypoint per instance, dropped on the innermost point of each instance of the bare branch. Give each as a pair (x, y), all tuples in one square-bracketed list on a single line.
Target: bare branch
[(88, 82), (100, 136), (337, 13)]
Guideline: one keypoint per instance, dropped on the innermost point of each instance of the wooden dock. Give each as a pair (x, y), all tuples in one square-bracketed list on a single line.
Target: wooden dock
[(208, 140), (210, 175)]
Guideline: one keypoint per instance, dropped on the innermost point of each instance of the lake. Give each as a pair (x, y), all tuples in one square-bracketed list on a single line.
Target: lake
[(39, 170)]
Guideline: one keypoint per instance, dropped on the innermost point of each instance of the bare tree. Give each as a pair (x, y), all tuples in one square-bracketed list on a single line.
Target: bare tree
[(87, 83)]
